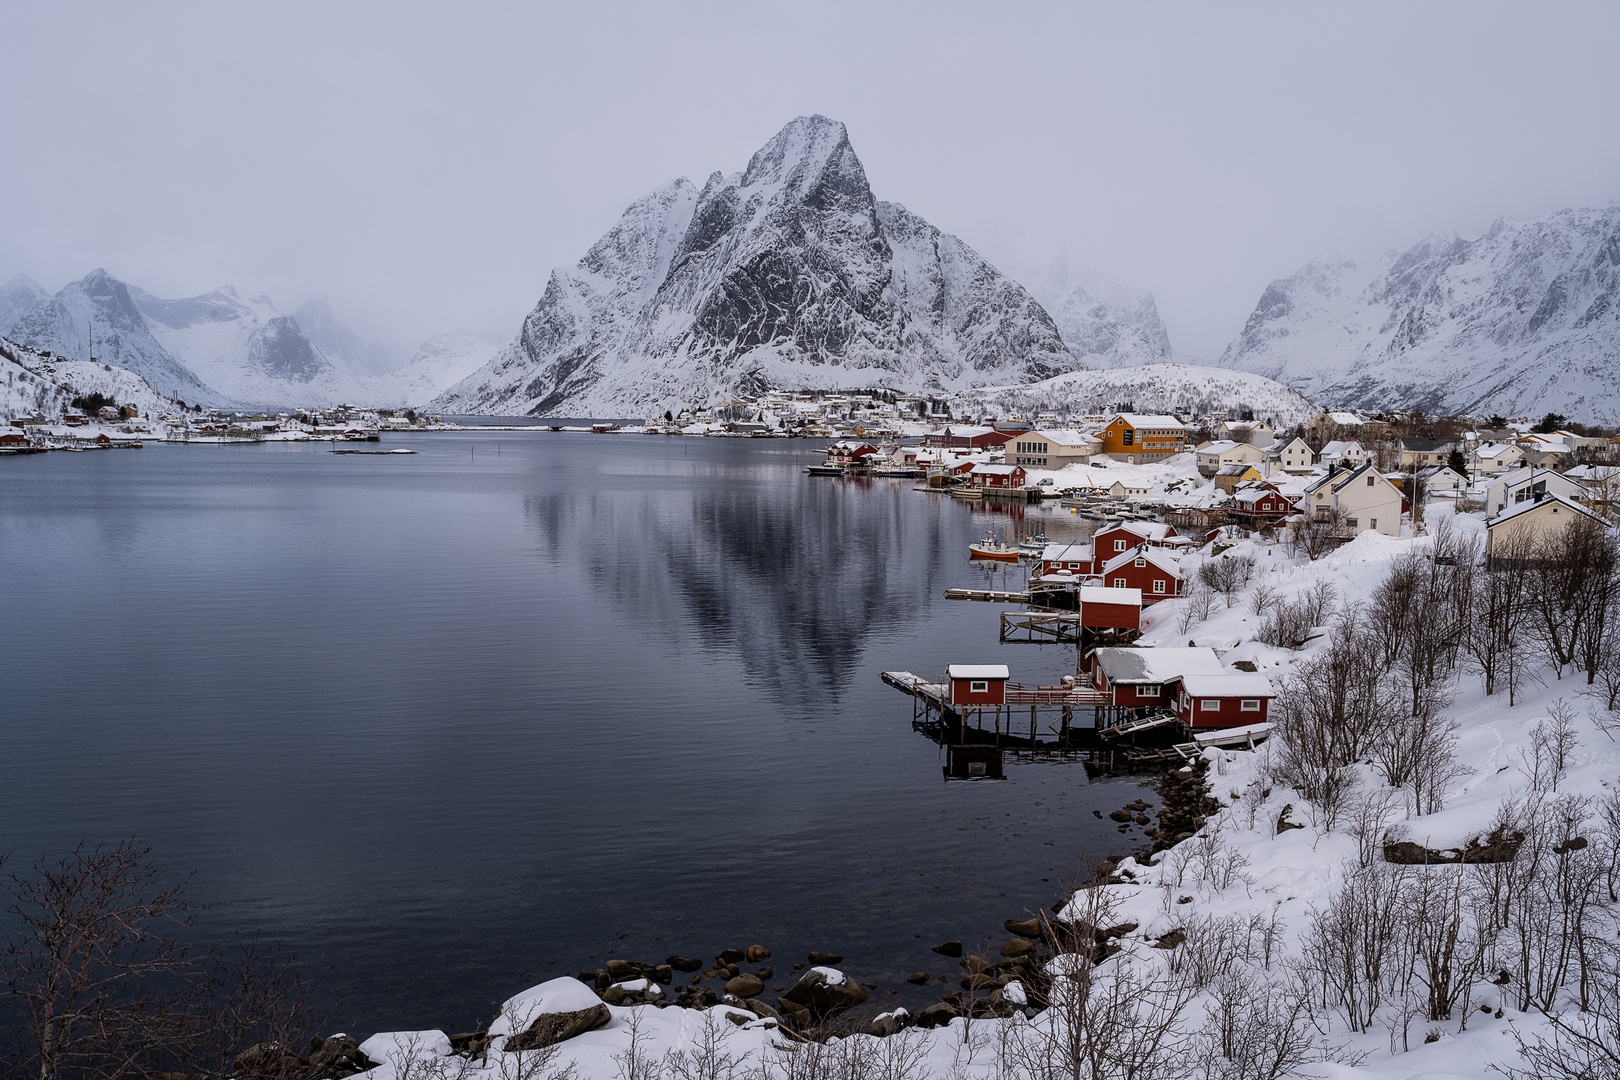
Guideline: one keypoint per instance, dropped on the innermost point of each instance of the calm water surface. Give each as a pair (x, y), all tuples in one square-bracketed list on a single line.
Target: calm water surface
[(455, 722)]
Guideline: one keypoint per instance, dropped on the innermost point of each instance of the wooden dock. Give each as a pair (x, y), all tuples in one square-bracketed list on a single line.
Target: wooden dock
[(987, 595)]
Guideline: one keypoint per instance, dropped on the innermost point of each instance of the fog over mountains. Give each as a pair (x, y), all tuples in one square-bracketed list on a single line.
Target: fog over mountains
[(791, 273), (1522, 321)]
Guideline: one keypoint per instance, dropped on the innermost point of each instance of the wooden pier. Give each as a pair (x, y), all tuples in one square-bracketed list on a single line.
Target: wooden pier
[(988, 596)]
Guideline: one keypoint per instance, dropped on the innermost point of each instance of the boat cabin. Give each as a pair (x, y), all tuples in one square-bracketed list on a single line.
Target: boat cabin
[(978, 684)]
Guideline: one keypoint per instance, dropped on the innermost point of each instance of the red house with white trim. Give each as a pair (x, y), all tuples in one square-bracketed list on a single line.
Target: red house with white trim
[(978, 684), (1258, 503), (848, 453), (1117, 536), (1005, 477), (1144, 678), (1066, 558), (1153, 570), (1229, 699)]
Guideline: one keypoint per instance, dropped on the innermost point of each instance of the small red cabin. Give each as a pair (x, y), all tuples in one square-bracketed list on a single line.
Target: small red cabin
[(978, 684), (1228, 700), (72, 420), (1110, 609), (13, 438), (848, 453), (1150, 569), (1066, 558), (1258, 503), (998, 476), (102, 439)]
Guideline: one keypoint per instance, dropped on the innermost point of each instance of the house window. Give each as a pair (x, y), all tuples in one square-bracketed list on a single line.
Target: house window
[(1369, 481), (1209, 705), (1251, 705), (975, 768), (1074, 566), (979, 686), (1148, 690), (1372, 523), (1119, 545), (1119, 583), (1352, 522), (1158, 585), (1141, 562)]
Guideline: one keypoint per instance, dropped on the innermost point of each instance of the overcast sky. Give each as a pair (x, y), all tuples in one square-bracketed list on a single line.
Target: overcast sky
[(423, 163)]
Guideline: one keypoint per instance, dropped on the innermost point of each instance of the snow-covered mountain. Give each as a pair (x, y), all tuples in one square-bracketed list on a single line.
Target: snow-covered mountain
[(17, 296), (101, 306), (1103, 323), (789, 273), (342, 345), (1150, 388), (441, 361), (1522, 321)]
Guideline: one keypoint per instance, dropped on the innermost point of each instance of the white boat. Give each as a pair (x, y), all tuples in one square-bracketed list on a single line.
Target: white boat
[(991, 548)]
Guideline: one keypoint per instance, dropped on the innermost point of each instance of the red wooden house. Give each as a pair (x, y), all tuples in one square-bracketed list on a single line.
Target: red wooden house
[(978, 684), (1117, 536), (1066, 558), (1259, 503), (13, 438), (848, 453), (1153, 570), (1144, 678), (977, 438), (1226, 700), (1005, 477), (1110, 609)]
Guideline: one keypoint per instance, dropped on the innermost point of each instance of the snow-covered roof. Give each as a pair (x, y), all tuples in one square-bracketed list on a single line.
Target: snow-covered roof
[(1493, 450), (1227, 684), (1067, 436), (1530, 504), (1066, 553), (1237, 469), (1159, 557), (1341, 447), (1148, 420), (1147, 530), (1160, 665), (977, 671), (1345, 419), (1097, 594), (998, 470), (1250, 496), (1219, 447)]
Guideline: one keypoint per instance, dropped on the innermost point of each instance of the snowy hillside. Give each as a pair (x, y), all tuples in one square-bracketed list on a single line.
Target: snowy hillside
[(1151, 387), (101, 305), (789, 273), (32, 383), (441, 361), (1522, 321)]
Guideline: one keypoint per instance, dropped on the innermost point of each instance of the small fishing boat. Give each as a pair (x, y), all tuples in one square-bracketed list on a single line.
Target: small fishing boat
[(991, 548), (1033, 545)]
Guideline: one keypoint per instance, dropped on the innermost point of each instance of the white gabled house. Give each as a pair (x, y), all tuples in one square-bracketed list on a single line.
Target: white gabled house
[(1527, 485), (1293, 456), (1494, 459), (1345, 453), (1443, 480), (1361, 500), (1217, 455)]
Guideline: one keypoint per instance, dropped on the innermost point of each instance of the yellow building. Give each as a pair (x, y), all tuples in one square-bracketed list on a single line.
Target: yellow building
[(1135, 437)]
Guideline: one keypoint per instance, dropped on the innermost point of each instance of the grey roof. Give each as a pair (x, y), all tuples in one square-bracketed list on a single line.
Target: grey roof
[(1159, 665)]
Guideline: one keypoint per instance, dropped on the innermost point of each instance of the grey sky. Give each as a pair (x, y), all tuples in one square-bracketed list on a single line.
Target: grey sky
[(421, 163)]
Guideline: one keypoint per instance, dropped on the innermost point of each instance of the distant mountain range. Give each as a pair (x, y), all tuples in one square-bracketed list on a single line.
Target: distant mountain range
[(790, 273), (1522, 321), (219, 349)]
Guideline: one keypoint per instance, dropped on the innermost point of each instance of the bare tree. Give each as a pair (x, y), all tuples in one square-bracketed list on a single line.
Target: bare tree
[(99, 972)]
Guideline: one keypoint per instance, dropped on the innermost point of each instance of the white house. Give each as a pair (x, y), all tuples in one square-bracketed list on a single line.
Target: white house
[(1443, 480), (1345, 453), (1527, 485), (1217, 455), (1494, 459), (1294, 456), (1361, 499)]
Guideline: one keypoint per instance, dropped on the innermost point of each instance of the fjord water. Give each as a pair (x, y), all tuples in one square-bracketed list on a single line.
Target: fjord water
[(454, 722)]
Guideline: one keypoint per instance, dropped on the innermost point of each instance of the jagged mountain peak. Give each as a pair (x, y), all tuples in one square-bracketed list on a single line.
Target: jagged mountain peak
[(787, 273), (17, 296)]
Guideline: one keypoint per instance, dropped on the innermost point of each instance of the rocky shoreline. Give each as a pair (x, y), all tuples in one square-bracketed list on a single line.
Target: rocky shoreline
[(814, 998)]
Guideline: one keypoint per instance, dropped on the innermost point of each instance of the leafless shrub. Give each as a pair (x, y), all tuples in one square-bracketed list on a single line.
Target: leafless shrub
[(1350, 949), (1257, 1030), (1368, 813), (1580, 1043), (707, 1056), (1263, 599), (1228, 575), (539, 1063), (1197, 605), (1552, 741), (634, 1062)]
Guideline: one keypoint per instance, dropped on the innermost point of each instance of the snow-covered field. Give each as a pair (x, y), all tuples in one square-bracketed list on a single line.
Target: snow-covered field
[(1264, 914)]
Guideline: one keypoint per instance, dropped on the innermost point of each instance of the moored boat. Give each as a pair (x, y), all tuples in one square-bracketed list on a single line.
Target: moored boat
[(992, 548)]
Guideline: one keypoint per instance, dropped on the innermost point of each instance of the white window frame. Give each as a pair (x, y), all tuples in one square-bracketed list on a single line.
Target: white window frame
[(1209, 705), (1158, 586), (1250, 705), (1119, 583), (979, 686), (1119, 545), (1149, 690)]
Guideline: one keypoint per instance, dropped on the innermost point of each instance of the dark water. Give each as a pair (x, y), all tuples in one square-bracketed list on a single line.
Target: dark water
[(454, 722)]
